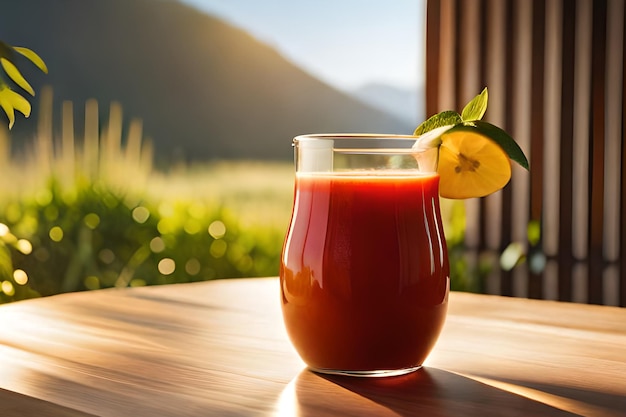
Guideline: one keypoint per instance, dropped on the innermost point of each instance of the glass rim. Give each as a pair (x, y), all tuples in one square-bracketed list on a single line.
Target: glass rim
[(348, 136), (361, 143)]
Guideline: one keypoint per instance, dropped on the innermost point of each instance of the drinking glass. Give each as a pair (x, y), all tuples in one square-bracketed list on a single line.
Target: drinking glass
[(364, 274)]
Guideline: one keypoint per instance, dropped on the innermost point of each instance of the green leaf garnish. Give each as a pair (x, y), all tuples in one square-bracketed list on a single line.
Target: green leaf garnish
[(476, 108), (506, 142), (468, 120), (445, 118)]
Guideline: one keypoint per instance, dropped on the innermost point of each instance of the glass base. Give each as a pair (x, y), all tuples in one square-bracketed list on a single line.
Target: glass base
[(368, 374)]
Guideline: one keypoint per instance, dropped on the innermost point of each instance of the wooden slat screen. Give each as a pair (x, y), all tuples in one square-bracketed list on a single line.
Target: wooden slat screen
[(555, 71)]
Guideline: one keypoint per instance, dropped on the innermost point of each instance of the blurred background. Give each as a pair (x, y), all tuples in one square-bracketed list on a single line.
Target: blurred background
[(159, 146)]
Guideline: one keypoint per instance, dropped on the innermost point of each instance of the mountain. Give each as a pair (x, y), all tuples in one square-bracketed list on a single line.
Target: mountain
[(403, 103), (203, 88)]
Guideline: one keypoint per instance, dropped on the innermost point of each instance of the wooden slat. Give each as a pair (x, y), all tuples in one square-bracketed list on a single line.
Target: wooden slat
[(623, 176), (467, 85), (447, 56), (598, 112), (566, 151), (552, 126), (494, 75), (537, 139), (582, 106), (613, 159), (613, 121), (509, 125)]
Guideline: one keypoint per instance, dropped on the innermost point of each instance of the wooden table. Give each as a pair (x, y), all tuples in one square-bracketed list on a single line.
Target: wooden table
[(219, 349)]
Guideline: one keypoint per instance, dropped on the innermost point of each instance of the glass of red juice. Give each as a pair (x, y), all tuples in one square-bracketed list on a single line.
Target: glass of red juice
[(364, 271)]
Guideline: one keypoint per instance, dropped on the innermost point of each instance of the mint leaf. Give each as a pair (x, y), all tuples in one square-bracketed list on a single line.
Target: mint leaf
[(475, 109), (445, 118)]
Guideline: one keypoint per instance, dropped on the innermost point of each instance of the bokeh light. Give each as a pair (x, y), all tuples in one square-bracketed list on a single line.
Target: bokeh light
[(7, 288), (20, 277), (193, 266), (56, 234), (107, 256), (157, 245), (92, 282), (167, 266), (92, 220), (218, 248), (141, 214), (217, 229), (24, 246)]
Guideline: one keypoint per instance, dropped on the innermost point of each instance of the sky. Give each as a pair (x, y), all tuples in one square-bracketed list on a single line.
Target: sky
[(346, 43)]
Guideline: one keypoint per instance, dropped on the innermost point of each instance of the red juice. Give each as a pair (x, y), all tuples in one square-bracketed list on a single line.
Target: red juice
[(364, 272)]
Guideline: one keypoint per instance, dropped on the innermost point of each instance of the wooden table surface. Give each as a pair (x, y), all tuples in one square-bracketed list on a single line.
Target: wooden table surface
[(220, 349)]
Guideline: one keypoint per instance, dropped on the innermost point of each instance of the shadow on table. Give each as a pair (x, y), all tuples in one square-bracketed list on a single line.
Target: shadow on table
[(427, 392)]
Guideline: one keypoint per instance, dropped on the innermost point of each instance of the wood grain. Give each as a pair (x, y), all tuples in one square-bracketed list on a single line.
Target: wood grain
[(219, 349)]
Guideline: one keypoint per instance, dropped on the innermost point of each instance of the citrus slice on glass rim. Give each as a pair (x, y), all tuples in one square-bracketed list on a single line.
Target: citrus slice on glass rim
[(471, 164), (473, 157)]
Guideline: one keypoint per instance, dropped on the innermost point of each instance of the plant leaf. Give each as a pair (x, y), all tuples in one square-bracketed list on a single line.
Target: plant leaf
[(475, 109), (33, 57), (16, 75), (18, 102), (506, 142), (8, 109), (445, 118)]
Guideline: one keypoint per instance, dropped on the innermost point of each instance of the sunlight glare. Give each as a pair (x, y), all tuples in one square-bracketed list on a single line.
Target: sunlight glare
[(4, 229), (287, 405)]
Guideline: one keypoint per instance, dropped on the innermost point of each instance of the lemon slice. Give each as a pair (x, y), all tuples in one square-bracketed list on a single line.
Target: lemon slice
[(471, 164), (474, 157)]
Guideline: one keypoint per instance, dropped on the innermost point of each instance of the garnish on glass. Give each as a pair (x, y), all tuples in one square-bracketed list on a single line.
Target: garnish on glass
[(474, 156)]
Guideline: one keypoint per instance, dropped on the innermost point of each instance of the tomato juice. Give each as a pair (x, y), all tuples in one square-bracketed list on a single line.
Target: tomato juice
[(364, 272)]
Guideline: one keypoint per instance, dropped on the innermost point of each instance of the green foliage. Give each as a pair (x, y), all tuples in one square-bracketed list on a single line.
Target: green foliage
[(96, 238), (91, 213)]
